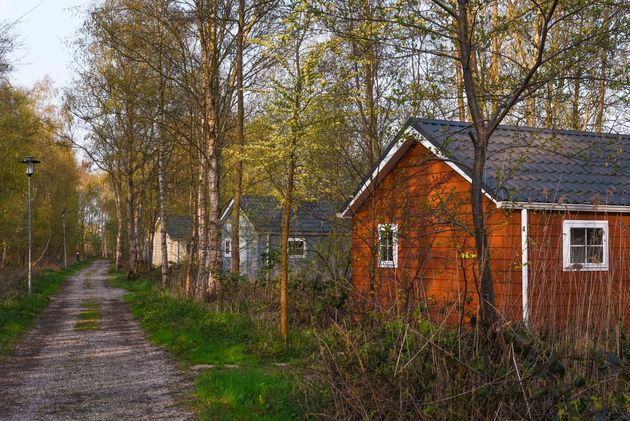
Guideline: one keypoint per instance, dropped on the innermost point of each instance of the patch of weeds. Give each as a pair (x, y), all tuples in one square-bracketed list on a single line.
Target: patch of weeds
[(195, 333), (267, 343), (90, 316), (87, 284), (246, 393), (18, 312)]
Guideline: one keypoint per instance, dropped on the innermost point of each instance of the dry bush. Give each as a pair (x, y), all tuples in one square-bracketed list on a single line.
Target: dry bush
[(12, 281), (409, 368), (310, 303)]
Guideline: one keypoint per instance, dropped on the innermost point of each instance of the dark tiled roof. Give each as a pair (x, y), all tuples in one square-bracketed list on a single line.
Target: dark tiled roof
[(179, 228), (541, 165), (265, 213)]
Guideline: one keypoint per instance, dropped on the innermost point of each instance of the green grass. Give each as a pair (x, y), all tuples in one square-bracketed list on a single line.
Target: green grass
[(90, 316), (18, 313), (256, 389)]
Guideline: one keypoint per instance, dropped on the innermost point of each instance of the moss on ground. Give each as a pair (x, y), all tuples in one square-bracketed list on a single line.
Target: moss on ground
[(90, 316)]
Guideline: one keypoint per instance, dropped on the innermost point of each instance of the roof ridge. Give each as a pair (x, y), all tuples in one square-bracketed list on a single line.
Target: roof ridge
[(545, 130)]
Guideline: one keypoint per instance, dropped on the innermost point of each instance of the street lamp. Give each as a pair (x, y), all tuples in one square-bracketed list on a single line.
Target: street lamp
[(65, 255), (30, 169)]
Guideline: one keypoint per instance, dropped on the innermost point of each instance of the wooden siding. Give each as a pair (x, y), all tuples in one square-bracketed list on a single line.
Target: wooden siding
[(176, 250), (600, 298), (430, 203)]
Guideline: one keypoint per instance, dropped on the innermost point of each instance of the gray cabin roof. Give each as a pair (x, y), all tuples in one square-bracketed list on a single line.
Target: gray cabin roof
[(524, 164), (265, 214), (179, 228), (540, 165)]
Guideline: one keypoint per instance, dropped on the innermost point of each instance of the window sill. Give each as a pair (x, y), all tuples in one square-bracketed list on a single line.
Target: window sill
[(580, 268)]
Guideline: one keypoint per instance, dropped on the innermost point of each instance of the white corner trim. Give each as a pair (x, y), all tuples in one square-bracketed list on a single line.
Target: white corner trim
[(524, 266), (565, 207), (567, 266), (227, 210)]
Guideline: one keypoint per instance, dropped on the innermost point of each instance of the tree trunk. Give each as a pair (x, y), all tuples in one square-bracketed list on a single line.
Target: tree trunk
[(132, 231), (461, 106), (369, 70), (235, 252), (202, 232), (284, 239), (495, 53), (601, 99), (211, 262), (162, 210), (193, 246), (215, 263), (480, 140), (119, 227), (575, 114), (488, 312)]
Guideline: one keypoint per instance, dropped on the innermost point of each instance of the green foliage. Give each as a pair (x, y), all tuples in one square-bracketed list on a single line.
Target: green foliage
[(245, 382), (27, 124), (19, 311)]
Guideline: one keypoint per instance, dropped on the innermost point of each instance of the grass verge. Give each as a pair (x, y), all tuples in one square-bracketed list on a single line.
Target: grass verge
[(19, 311), (245, 381)]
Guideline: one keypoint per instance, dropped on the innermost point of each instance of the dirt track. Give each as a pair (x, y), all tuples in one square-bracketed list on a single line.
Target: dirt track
[(60, 372)]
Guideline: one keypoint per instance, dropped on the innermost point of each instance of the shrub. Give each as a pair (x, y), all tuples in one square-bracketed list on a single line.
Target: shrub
[(380, 368)]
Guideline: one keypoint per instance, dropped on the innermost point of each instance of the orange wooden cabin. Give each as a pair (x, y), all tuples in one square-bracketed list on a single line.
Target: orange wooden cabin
[(558, 217)]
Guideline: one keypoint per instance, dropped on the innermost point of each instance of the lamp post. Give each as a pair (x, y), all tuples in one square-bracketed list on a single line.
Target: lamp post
[(65, 254), (30, 169)]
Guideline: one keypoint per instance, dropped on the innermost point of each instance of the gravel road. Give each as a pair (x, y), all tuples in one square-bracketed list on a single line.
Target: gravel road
[(106, 372)]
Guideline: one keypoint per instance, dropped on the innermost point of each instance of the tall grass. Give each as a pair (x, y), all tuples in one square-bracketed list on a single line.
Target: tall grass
[(380, 368), (18, 310)]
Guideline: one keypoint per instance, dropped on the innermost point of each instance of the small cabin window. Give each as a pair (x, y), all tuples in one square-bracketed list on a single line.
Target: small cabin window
[(227, 248), (388, 245), (297, 247), (585, 245)]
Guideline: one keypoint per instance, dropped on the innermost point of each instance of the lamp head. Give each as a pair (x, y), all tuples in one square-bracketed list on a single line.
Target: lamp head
[(30, 165)]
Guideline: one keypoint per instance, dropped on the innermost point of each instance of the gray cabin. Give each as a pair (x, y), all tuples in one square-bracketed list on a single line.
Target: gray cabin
[(260, 220)]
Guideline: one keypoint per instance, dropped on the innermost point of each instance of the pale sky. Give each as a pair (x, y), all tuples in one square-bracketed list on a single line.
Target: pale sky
[(43, 31)]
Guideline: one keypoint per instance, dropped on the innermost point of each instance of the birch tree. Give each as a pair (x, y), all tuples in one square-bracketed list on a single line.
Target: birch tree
[(292, 124)]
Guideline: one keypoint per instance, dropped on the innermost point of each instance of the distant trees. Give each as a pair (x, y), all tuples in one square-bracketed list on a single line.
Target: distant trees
[(28, 126)]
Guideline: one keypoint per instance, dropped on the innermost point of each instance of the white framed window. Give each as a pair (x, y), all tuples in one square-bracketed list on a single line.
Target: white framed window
[(227, 248), (388, 245), (585, 245), (297, 247)]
